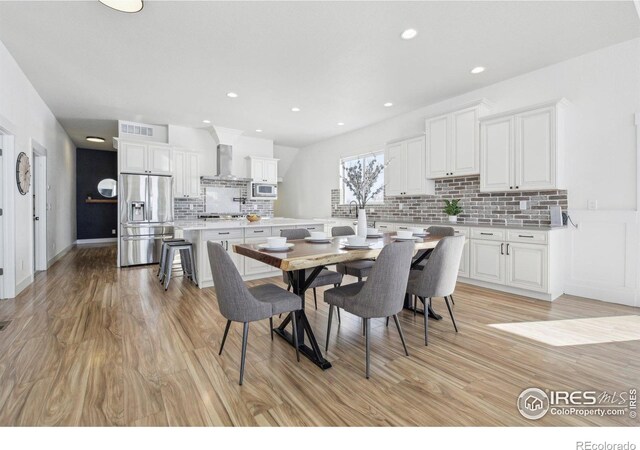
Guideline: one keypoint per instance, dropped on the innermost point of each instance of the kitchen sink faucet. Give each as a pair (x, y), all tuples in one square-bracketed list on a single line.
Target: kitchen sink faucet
[(353, 201)]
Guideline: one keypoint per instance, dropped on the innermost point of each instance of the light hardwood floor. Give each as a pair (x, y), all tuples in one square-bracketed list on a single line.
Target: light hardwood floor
[(92, 345)]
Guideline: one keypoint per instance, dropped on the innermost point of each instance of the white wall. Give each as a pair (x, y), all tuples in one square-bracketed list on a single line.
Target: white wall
[(603, 87), (25, 115), (602, 159), (201, 140), (286, 157)]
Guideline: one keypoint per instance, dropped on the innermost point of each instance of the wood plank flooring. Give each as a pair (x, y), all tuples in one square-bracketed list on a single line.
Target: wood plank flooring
[(92, 345)]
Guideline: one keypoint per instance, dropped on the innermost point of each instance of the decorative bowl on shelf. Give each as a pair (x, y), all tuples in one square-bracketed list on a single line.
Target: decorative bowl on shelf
[(253, 217)]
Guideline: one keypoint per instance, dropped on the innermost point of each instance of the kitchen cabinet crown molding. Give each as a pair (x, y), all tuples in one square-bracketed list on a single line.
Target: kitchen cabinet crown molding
[(559, 102), (473, 104)]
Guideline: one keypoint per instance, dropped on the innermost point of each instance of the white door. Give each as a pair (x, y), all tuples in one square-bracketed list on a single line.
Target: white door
[(2, 218), (464, 262), (270, 171), (535, 150), (192, 178), (395, 173), (527, 266), (487, 261), (159, 160), (238, 260), (258, 171), (252, 266), (179, 174), (133, 157), (496, 151), (437, 143), (464, 155), (415, 163)]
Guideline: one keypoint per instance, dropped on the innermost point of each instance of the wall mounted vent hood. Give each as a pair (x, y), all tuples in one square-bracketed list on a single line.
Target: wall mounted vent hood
[(226, 137)]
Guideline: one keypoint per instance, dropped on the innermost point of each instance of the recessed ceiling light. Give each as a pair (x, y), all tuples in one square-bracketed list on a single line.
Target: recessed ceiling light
[(232, 94), (206, 121), (340, 124), (94, 139), (409, 33), (388, 104), (258, 130), (128, 6), (477, 70), (295, 109)]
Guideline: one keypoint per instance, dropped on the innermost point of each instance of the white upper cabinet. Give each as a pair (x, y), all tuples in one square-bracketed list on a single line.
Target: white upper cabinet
[(452, 142), (263, 170), (523, 149), (404, 174), (186, 174), (496, 156), (139, 157)]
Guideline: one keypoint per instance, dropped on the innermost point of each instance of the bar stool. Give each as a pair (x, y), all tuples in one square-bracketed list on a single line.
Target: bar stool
[(163, 255), (186, 257)]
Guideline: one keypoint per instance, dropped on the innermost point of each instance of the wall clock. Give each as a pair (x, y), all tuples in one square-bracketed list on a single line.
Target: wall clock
[(23, 173)]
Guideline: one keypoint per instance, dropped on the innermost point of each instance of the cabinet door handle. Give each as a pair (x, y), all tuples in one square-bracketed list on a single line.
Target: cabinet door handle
[(258, 231), (221, 233), (524, 235), (502, 248), (507, 249), (486, 234), (517, 187)]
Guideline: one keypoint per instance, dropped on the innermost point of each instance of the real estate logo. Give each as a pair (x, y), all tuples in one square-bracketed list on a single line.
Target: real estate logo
[(533, 403)]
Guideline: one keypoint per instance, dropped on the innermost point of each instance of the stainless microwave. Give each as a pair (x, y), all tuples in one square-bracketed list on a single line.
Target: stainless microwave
[(260, 190)]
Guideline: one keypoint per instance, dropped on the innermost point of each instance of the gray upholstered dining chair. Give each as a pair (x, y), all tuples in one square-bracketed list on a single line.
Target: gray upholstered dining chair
[(237, 303), (325, 277), (434, 230), (439, 276), (360, 268), (382, 295)]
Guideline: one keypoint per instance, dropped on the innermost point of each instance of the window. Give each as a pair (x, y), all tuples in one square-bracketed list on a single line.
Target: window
[(346, 194)]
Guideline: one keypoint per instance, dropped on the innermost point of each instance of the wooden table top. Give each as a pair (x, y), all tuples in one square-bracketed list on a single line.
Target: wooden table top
[(306, 255)]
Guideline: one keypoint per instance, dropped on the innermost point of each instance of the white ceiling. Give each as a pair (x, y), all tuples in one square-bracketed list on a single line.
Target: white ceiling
[(338, 61)]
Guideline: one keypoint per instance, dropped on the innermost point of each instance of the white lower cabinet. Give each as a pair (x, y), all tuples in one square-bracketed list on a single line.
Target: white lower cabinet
[(533, 267), (464, 262), (487, 261), (252, 266), (527, 266)]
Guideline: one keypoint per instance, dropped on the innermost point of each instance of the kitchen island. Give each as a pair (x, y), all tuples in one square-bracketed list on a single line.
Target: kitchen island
[(230, 232)]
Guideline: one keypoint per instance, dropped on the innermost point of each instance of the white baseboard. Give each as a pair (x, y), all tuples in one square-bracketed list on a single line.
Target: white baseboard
[(59, 256), (21, 286), (96, 241), (508, 289)]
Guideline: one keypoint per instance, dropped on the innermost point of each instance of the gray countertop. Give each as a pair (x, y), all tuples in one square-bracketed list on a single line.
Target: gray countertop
[(194, 225), (461, 224)]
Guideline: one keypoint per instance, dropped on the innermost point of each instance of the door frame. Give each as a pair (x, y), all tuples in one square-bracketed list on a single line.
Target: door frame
[(8, 257), (40, 246)]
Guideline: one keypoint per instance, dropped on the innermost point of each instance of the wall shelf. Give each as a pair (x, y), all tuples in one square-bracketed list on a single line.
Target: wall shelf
[(101, 200)]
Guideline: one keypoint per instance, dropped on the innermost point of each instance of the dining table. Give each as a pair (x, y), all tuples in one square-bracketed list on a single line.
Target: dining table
[(305, 260)]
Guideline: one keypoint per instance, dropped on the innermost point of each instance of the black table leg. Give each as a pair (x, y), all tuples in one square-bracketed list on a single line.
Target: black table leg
[(300, 286)]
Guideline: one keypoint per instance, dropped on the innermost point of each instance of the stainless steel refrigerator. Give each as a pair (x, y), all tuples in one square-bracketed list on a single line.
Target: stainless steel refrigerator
[(146, 217)]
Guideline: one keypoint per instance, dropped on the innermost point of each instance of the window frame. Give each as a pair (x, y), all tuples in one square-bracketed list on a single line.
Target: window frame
[(362, 157)]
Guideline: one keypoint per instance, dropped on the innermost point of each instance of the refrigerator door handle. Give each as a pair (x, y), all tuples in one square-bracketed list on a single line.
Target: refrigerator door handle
[(150, 208)]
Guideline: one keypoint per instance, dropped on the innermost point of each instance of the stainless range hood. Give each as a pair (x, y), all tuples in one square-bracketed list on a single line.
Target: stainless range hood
[(224, 154)]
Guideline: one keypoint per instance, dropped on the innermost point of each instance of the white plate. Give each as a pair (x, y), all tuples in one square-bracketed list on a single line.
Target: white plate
[(375, 236), (421, 234), (412, 238), (357, 247), (318, 241), (266, 247)]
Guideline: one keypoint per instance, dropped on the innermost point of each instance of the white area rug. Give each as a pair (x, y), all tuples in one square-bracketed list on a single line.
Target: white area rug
[(595, 330)]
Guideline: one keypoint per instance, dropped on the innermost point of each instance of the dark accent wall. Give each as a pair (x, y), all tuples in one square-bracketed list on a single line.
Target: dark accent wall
[(95, 220)]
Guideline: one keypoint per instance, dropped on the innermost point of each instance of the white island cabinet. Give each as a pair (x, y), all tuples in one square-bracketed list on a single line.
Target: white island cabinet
[(230, 232)]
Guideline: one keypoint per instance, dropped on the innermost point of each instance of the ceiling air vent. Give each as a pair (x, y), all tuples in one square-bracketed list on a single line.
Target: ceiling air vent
[(138, 130)]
